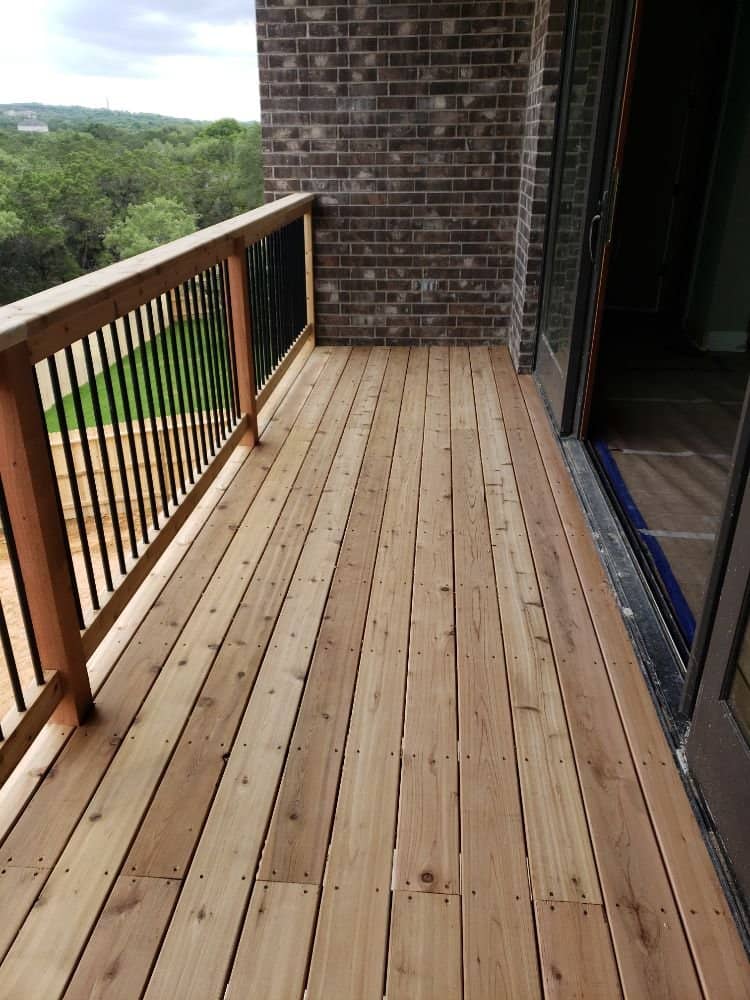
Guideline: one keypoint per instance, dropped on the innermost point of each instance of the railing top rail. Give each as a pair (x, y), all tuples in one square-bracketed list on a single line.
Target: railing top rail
[(56, 317)]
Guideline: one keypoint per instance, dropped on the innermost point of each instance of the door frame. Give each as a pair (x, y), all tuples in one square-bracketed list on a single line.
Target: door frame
[(615, 78), (718, 753)]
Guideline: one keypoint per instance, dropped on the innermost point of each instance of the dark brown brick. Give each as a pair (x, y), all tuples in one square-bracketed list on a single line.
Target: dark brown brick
[(425, 130)]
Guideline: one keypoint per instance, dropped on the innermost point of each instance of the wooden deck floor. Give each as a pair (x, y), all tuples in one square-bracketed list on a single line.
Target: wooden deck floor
[(374, 727)]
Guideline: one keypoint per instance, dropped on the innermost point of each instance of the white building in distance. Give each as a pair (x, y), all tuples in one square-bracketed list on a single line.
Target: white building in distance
[(32, 125)]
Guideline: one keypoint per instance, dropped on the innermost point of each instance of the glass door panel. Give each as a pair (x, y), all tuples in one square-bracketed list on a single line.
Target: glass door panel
[(574, 222)]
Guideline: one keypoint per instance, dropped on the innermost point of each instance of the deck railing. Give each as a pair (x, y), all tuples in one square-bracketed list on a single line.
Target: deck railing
[(122, 394)]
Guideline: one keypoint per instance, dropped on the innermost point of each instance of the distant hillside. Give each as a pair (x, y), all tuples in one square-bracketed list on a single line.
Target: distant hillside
[(62, 117)]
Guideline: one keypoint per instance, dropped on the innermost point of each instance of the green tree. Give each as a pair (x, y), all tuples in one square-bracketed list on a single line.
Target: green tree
[(94, 188), (149, 225)]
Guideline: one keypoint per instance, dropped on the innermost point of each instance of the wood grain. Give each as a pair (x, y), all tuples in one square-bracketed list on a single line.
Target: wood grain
[(350, 948), (427, 835), (117, 959), (168, 835), (499, 945), (196, 954), (297, 840), (717, 950), (652, 952), (424, 959), (576, 952), (561, 860), (271, 959)]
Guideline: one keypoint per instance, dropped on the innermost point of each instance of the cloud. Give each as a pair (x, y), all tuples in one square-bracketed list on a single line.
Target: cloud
[(128, 39), (176, 57)]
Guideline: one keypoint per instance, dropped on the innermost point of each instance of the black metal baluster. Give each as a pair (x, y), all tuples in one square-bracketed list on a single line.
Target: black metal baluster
[(191, 379), (75, 391), (117, 436), (256, 319), (208, 341), (288, 289), (301, 278), (261, 281), (278, 300), (73, 481), (10, 663), (266, 277), (181, 376), (104, 452), (221, 350), (138, 399), (169, 375), (228, 323), (202, 368), (23, 601), (128, 415), (271, 296), (160, 396), (141, 343), (198, 382), (285, 290)]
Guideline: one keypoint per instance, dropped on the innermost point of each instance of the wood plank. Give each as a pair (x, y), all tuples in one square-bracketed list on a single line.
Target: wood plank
[(576, 952), (30, 771), (196, 956), (17, 886), (54, 933), (427, 835), (91, 748), (561, 859), (717, 949), (350, 948), (20, 729), (499, 944), (297, 840), (122, 631), (168, 836), (118, 956), (424, 956), (161, 538), (271, 959), (28, 480), (650, 945)]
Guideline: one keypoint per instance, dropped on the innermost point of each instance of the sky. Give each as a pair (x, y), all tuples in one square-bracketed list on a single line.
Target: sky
[(189, 58)]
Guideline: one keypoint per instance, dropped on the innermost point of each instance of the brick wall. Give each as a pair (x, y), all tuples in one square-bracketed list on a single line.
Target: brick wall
[(536, 162), (410, 121)]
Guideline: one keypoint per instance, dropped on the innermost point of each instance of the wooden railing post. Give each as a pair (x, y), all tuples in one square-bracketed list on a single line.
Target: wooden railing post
[(309, 275), (242, 332), (29, 481)]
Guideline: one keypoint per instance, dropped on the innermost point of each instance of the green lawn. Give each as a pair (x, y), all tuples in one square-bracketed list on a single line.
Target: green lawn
[(141, 361)]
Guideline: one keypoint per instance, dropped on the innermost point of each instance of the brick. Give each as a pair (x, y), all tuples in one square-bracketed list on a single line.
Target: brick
[(425, 130)]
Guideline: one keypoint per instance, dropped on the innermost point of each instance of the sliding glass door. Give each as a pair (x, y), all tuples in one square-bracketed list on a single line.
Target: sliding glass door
[(577, 207)]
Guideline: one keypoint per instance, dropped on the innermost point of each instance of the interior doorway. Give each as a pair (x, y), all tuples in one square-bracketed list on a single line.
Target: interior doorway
[(672, 360)]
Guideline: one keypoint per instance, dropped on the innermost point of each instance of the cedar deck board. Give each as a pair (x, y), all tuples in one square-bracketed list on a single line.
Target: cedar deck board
[(195, 958), (650, 945), (352, 932)]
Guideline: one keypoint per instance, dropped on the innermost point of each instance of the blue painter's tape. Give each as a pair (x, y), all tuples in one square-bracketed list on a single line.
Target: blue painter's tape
[(681, 608)]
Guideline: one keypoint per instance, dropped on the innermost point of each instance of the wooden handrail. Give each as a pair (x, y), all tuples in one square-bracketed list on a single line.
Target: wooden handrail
[(57, 317), (36, 328)]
